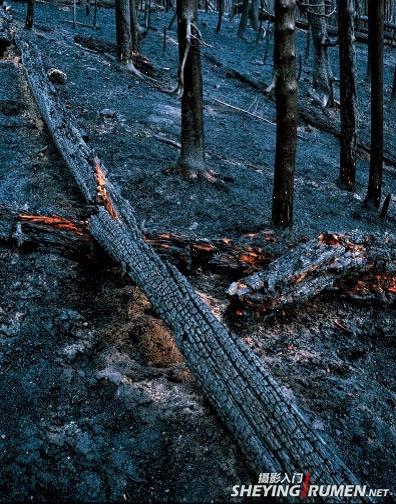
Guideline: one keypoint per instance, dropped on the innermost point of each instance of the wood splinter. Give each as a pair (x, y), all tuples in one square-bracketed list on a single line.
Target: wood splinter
[(102, 194)]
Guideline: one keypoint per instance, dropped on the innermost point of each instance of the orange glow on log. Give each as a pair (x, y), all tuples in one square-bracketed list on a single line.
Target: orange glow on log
[(103, 195), (56, 222)]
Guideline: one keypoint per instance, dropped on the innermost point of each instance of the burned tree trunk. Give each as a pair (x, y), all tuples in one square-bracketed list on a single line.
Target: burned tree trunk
[(286, 113), (134, 27), (393, 95), (244, 19), (348, 109), (29, 14), (376, 14), (220, 15), (254, 14), (192, 154), (268, 426), (322, 72), (123, 30)]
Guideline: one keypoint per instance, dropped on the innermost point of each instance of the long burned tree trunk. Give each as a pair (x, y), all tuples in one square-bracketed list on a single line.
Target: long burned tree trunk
[(286, 113), (29, 14), (322, 72), (123, 30), (348, 109), (376, 15), (265, 422), (192, 154)]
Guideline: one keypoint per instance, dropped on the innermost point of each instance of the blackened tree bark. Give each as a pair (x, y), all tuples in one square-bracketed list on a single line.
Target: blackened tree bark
[(244, 19), (123, 30), (134, 26), (221, 13), (348, 138), (322, 72), (192, 155), (29, 14), (254, 14), (376, 14), (286, 113), (393, 95)]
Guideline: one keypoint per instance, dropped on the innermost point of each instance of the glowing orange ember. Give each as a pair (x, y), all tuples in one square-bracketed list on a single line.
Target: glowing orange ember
[(56, 222)]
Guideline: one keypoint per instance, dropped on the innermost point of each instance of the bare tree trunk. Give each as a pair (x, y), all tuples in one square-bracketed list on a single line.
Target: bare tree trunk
[(348, 99), (286, 113), (369, 56), (192, 155), (376, 13), (393, 95), (254, 14), (29, 14), (244, 19), (221, 13), (134, 26), (123, 30), (322, 73)]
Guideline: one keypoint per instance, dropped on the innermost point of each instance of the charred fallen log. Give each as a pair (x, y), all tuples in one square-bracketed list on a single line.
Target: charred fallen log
[(70, 238), (354, 263), (267, 425), (49, 233)]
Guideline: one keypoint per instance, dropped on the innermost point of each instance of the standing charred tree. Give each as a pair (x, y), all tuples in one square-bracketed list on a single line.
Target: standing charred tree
[(244, 19), (134, 26), (123, 30), (192, 154), (250, 11), (348, 109), (393, 95), (376, 16), (322, 72), (29, 14), (254, 14), (286, 112), (220, 6)]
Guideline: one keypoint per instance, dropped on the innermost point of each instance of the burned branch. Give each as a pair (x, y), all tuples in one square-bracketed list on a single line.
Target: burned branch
[(331, 261)]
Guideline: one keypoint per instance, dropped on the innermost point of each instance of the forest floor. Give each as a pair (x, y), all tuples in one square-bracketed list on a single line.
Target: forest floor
[(96, 401)]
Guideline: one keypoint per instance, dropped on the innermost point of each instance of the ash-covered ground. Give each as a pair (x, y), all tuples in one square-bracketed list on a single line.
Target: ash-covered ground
[(96, 401)]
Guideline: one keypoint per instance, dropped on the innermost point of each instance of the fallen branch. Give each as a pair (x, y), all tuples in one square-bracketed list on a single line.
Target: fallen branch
[(72, 239), (266, 423), (49, 233), (331, 261), (243, 111), (310, 113)]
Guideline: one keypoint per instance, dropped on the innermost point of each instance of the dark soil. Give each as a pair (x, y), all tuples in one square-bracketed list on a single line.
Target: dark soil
[(96, 401)]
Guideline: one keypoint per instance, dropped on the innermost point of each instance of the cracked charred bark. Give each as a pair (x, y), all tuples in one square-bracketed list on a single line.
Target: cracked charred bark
[(318, 265), (192, 154), (286, 113), (348, 97), (376, 14), (267, 425)]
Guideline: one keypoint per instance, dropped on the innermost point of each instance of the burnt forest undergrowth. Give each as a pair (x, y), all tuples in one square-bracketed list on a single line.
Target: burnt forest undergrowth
[(97, 403)]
